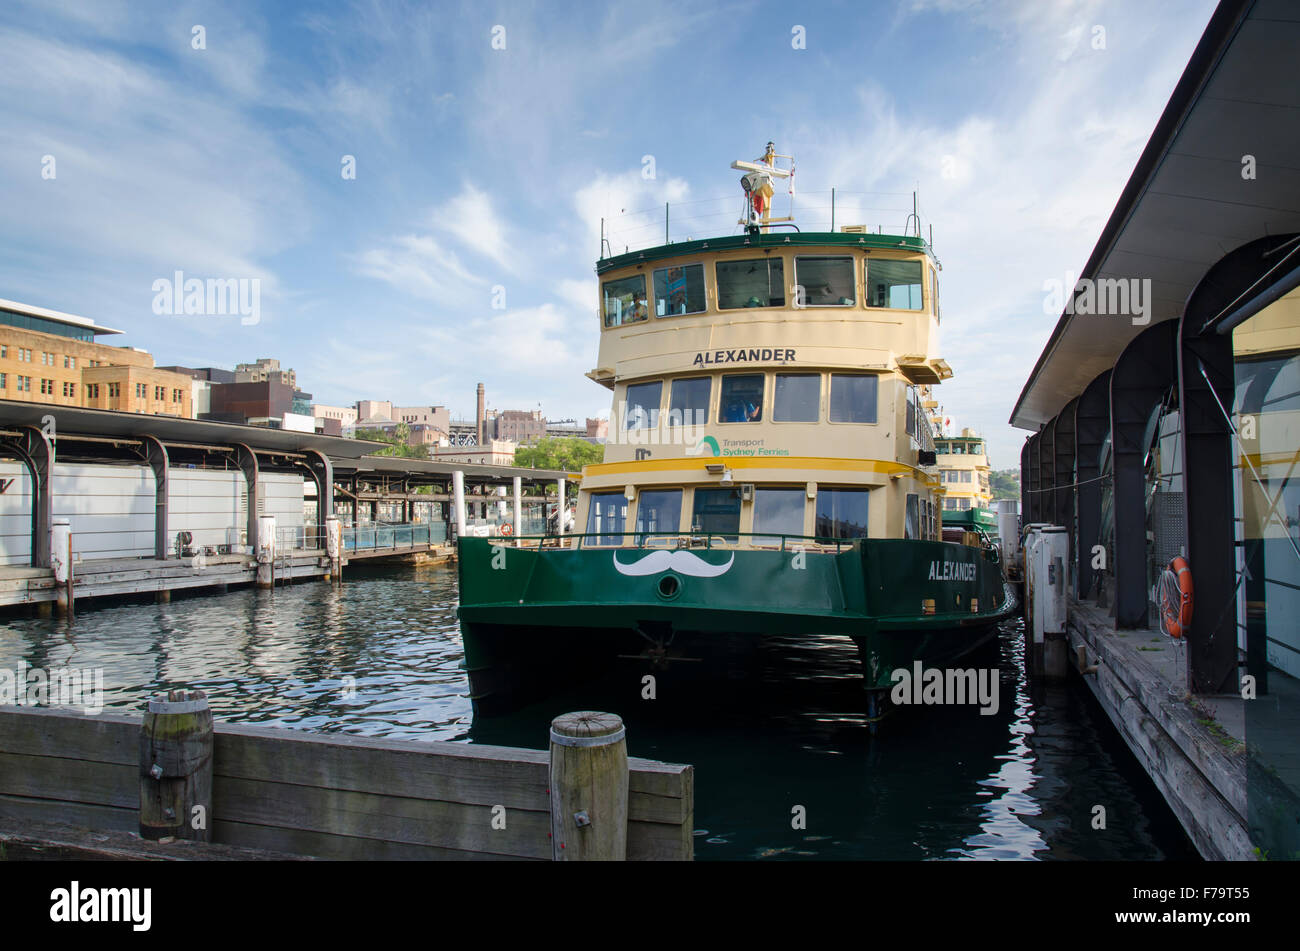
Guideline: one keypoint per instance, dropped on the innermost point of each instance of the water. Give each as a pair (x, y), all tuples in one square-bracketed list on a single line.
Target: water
[(769, 732)]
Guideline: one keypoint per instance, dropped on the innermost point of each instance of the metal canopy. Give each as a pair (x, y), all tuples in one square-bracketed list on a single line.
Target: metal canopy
[(440, 471), (174, 429), (1187, 203)]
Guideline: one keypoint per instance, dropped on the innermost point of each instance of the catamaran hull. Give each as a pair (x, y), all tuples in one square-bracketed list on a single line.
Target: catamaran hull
[(533, 617)]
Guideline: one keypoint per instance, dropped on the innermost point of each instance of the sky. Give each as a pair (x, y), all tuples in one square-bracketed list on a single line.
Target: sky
[(418, 188)]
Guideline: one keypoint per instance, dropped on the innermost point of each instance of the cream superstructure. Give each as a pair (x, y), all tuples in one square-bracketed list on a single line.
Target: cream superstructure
[(786, 369)]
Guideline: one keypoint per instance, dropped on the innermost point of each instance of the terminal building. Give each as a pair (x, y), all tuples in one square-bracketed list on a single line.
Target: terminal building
[(51, 357)]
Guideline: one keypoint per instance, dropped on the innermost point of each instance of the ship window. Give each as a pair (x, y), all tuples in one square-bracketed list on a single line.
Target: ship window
[(642, 411), (841, 513), (717, 512), (797, 398), (689, 402), (912, 523), (625, 300), (895, 284), (824, 281), (742, 399), (679, 290), (658, 510), (608, 514), (853, 398), (780, 511), (753, 282)]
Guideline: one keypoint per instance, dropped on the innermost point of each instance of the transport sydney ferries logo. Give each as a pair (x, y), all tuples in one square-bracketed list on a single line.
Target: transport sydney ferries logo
[(705, 446), (682, 562)]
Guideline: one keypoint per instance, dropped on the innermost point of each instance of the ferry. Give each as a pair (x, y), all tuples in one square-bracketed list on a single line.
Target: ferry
[(770, 468)]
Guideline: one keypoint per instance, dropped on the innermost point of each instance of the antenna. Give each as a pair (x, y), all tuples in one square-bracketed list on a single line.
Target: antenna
[(757, 183)]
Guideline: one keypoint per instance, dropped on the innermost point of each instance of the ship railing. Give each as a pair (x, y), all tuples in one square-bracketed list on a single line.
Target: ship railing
[(759, 541)]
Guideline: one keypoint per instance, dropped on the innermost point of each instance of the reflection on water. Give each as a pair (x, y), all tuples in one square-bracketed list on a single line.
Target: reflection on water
[(769, 730)]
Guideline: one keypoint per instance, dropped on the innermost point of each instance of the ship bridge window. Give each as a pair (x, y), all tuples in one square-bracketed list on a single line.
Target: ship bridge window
[(642, 409), (752, 282), (688, 404), (717, 512), (608, 513), (625, 301), (742, 399), (824, 281), (679, 290), (658, 511), (841, 513), (853, 398), (895, 284), (779, 511), (797, 398)]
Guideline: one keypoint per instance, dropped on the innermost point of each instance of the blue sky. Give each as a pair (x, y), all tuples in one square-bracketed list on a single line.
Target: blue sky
[(479, 168)]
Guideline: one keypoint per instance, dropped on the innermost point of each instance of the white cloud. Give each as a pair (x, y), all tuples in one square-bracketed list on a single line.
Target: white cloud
[(471, 218), (421, 267)]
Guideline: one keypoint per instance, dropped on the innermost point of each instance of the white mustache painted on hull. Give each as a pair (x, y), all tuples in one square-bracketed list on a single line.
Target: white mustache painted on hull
[(682, 562)]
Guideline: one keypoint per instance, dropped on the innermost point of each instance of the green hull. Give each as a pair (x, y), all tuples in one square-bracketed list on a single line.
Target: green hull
[(527, 613)]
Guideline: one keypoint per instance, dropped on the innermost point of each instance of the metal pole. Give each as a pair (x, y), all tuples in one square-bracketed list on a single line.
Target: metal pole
[(665, 222), (559, 508), (519, 505), (832, 211), (458, 500)]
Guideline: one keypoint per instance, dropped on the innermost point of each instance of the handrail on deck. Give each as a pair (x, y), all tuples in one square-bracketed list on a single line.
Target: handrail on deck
[(689, 539)]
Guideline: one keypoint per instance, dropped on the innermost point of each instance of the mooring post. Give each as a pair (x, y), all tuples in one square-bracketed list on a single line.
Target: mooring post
[(588, 787), (265, 551), (61, 563), (176, 767), (334, 548)]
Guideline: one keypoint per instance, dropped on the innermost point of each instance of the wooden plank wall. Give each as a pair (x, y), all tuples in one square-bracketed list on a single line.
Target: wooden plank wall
[(335, 797)]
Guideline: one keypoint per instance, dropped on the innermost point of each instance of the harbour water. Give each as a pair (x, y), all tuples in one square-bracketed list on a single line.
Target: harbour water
[(785, 767)]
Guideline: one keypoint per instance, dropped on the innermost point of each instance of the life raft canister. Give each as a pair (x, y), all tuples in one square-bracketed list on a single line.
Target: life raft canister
[(1176, 598)]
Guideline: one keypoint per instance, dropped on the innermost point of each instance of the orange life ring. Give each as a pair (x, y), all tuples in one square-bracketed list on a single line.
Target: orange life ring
[(1176, 598), (506, 529)]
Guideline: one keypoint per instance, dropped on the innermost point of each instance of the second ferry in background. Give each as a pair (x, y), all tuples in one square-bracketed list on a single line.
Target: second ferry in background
[(771, 468)]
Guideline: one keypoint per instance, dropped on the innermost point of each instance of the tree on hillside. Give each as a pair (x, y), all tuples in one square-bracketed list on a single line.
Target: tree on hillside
[(397, 445), (559, 452), (1005, 484)]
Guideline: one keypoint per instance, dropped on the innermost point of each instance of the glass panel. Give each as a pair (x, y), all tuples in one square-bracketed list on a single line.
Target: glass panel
[(689, 402), (643, 405), (625, 300), (797, 397), (659, 510), (742, 399), (853, 398), (608, 513), (825, 281), (717, 511), (895, 284), (679, 290), (753, 282), (778, 510), (841, 513), (912, 522)]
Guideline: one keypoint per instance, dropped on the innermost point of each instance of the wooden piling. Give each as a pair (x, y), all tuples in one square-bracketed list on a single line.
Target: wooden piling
[(176, 767), (589, 782)]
